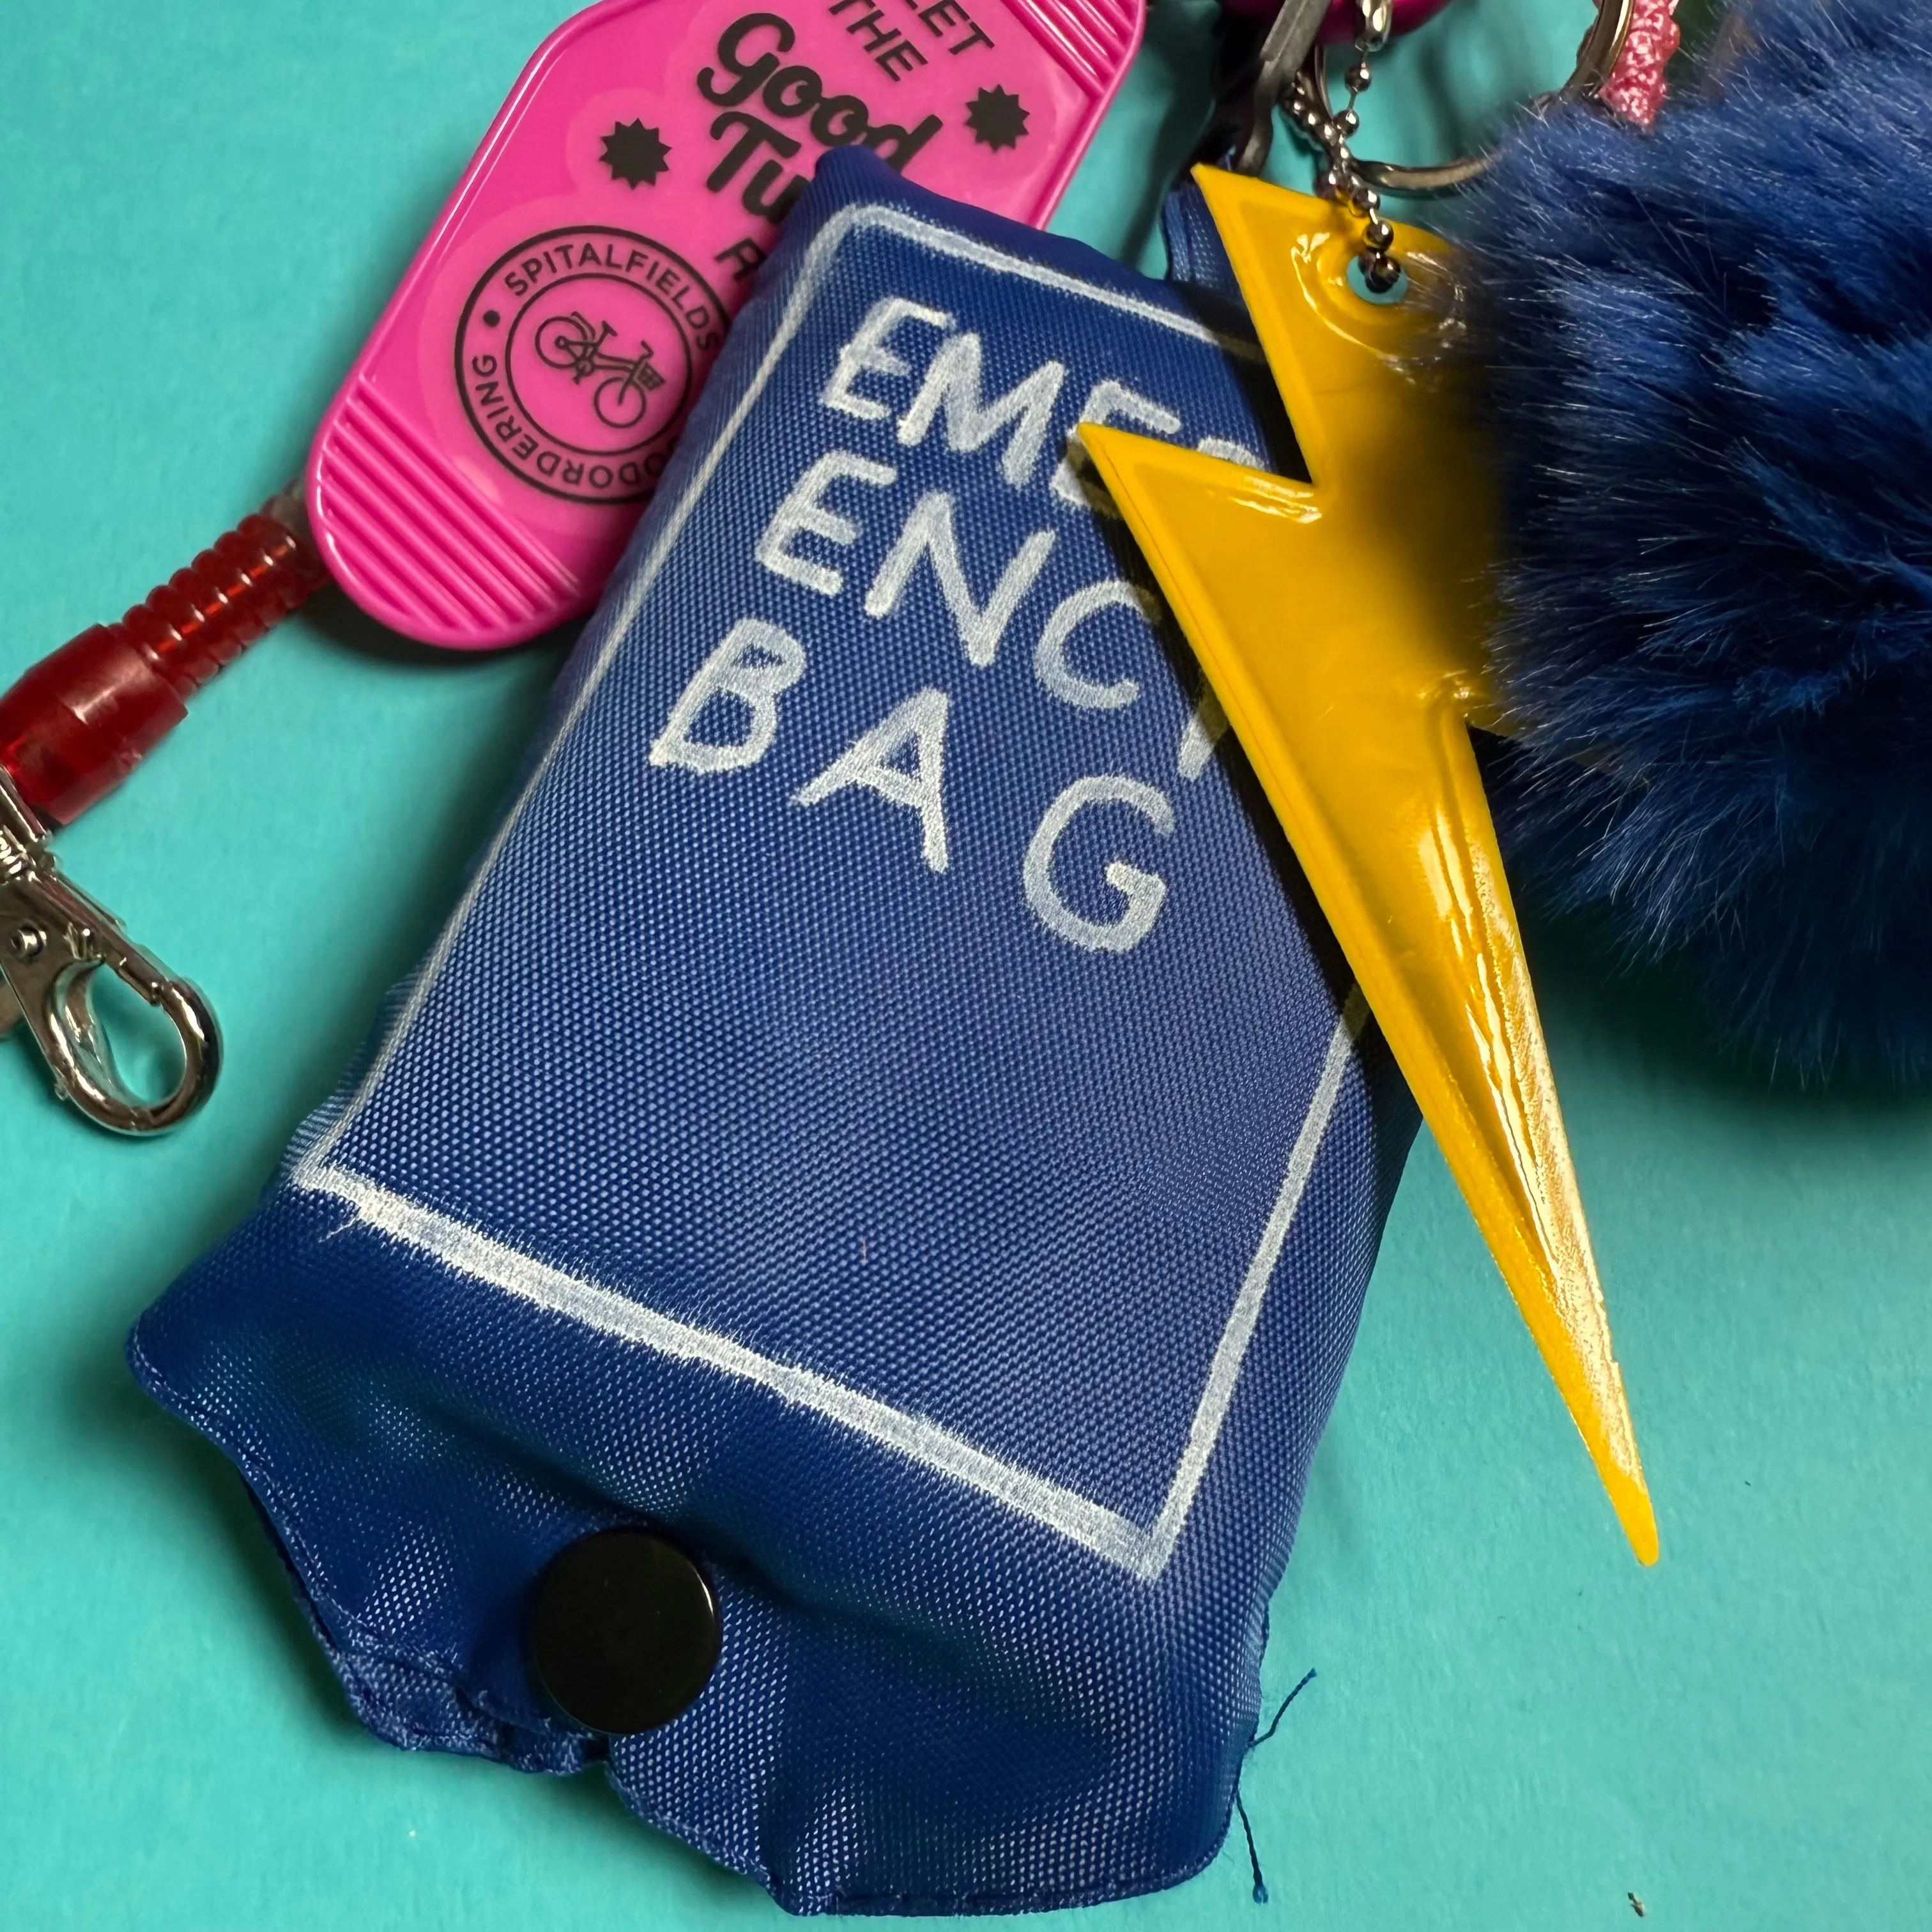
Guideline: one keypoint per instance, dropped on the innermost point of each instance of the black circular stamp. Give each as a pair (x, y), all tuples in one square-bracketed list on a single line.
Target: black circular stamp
[(577, 355)]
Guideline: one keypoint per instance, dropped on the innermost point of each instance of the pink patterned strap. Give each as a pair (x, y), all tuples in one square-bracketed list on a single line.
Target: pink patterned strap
[(1636, 88)]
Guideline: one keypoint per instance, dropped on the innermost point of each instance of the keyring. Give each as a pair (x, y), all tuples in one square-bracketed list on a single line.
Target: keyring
[(1292, 59), (1291, 73), (55, 941), (1596, 61)]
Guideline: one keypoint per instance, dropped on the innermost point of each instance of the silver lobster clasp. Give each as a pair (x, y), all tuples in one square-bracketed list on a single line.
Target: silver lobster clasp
[(53, 941)]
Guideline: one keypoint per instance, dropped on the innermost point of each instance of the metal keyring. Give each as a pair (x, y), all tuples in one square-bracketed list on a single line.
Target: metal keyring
[(1596, 61), (55, 944)]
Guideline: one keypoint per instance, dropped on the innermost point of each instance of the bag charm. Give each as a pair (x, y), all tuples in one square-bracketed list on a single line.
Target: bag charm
[(1341, 624), (485, 461), (488, 456), (1708, 354), (71, 729), (1358, 727)]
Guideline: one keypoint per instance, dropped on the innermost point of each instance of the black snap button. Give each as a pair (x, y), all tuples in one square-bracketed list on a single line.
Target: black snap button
[(623, 1633)]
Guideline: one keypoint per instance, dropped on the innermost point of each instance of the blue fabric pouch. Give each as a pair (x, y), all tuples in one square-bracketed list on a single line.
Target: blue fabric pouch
[(885, 1113)]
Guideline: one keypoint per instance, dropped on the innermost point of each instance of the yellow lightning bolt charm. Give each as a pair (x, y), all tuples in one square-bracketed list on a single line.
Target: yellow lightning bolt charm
[(1341, 623)]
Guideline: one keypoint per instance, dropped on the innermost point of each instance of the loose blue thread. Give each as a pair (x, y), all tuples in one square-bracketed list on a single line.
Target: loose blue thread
[(1240, 1809)]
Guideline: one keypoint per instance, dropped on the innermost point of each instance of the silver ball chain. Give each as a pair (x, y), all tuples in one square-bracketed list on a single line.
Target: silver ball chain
[(1341, 177)]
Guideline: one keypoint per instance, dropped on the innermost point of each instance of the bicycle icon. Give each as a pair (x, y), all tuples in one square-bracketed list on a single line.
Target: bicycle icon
[(567, 342)]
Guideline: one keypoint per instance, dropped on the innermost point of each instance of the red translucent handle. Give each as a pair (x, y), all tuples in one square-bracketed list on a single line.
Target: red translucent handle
[(78, 721)]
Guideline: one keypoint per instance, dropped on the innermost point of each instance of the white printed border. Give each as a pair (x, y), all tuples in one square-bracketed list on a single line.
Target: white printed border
[(1143, 1552)]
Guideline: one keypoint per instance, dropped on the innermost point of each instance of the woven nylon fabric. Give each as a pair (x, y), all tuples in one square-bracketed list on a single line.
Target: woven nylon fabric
[(886, 1112), (1196, 257)]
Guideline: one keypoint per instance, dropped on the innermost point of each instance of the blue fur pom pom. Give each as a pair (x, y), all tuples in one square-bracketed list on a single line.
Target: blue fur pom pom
[(1708, 353)]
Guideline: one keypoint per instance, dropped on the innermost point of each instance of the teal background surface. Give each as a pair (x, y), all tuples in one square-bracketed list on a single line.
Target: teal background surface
[(202, 204)]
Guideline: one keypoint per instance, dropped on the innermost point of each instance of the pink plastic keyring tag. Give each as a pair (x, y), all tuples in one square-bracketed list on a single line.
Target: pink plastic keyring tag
[(475, 480)]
